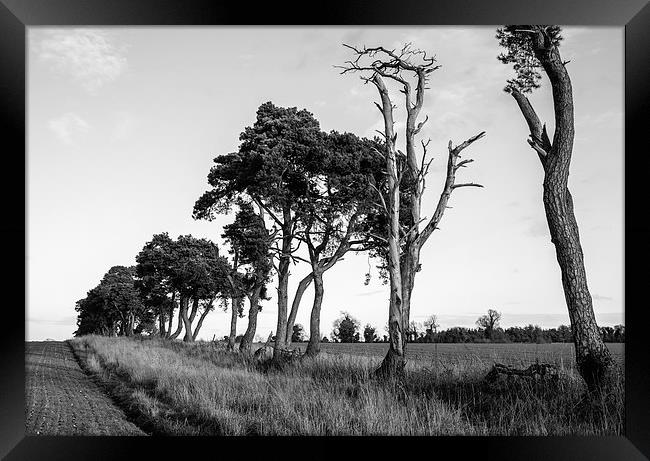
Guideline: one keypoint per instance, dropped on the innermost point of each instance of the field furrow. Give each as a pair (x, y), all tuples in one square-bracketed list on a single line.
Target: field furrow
[(61, 400)]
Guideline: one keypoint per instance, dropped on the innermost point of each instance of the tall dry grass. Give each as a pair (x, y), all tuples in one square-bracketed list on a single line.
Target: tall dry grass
[(190, 389)]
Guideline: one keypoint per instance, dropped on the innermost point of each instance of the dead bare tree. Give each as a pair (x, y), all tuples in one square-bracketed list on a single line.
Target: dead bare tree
[(529, 48), (405, 179)]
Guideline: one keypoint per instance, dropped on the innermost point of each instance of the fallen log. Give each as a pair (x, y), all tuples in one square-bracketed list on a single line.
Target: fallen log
[(536, 373)]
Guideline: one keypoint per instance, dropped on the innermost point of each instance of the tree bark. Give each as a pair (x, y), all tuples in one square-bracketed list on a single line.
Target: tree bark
[(313, 347), (409, 267), (171, 315), (185, 301), (161, 324), (283, 284), (302, 287), (235, 302), (129, 324), (195, 334), (195, 308), (394, 361), (179, 327), (247, 339), (592, 356)]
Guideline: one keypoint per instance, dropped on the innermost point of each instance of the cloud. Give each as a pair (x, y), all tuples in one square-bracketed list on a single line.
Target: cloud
[(91, 57), (68, 127)]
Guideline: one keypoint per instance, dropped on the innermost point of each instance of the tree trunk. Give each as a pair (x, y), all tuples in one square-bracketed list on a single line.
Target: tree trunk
[(195, 309), (394, 361), (409, 267), (195, 334), (185, 301), (592, 356), (283, 285), (302, 287), (313, 348), (130, 324), (161, 324), (171, 315), (247, 339), (179, 327), (235, 302)]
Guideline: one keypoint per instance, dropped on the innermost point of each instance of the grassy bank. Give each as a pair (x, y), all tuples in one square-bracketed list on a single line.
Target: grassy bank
[(193, 389)]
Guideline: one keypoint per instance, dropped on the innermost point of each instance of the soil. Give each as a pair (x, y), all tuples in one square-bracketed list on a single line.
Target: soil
[(60, 399)]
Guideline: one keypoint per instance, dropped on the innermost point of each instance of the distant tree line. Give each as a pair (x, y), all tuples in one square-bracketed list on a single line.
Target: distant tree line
[(347, 330)]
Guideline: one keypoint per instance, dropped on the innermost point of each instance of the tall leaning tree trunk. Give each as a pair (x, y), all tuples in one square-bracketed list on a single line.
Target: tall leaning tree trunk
[(283, 284), (295, 305), (204, 314), (235, 304), (247, 339), (313, 347), (592, 356)]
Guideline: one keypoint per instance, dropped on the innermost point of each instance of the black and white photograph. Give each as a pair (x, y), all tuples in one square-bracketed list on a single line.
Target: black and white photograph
[(321, 231)]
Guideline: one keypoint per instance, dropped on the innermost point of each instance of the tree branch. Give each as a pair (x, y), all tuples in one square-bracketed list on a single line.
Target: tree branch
[(449, 186)]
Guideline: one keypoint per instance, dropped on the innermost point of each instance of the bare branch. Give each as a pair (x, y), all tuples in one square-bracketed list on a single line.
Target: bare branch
[(535, 144), (468, 184), (414, 227), (452, 167), (420, 125), (463, 163), (381, 197), (261, 205), (462, 146)]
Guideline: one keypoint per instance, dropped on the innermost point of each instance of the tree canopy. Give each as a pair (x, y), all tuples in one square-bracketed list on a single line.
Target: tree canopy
[(519, 51)]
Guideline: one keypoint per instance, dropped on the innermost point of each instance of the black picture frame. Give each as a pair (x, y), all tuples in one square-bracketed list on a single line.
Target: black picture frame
[(17, 15)]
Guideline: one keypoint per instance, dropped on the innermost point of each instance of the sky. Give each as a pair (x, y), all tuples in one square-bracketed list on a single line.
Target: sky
[(124, 124)]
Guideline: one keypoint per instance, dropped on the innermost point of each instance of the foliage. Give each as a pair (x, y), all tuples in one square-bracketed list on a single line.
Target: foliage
[(369, 334), (298, 333), (112, 307), (250, 245), (517, 41), (489, 322), (515, 334), (196, 269), (152, 275), (129, 298), (271, 163), (346, 329)]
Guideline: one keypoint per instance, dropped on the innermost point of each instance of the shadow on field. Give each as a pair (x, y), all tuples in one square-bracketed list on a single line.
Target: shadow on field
[(525, 406)]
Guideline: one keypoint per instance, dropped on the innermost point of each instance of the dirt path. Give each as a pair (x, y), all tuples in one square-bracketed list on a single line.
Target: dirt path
[(60, 399)]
